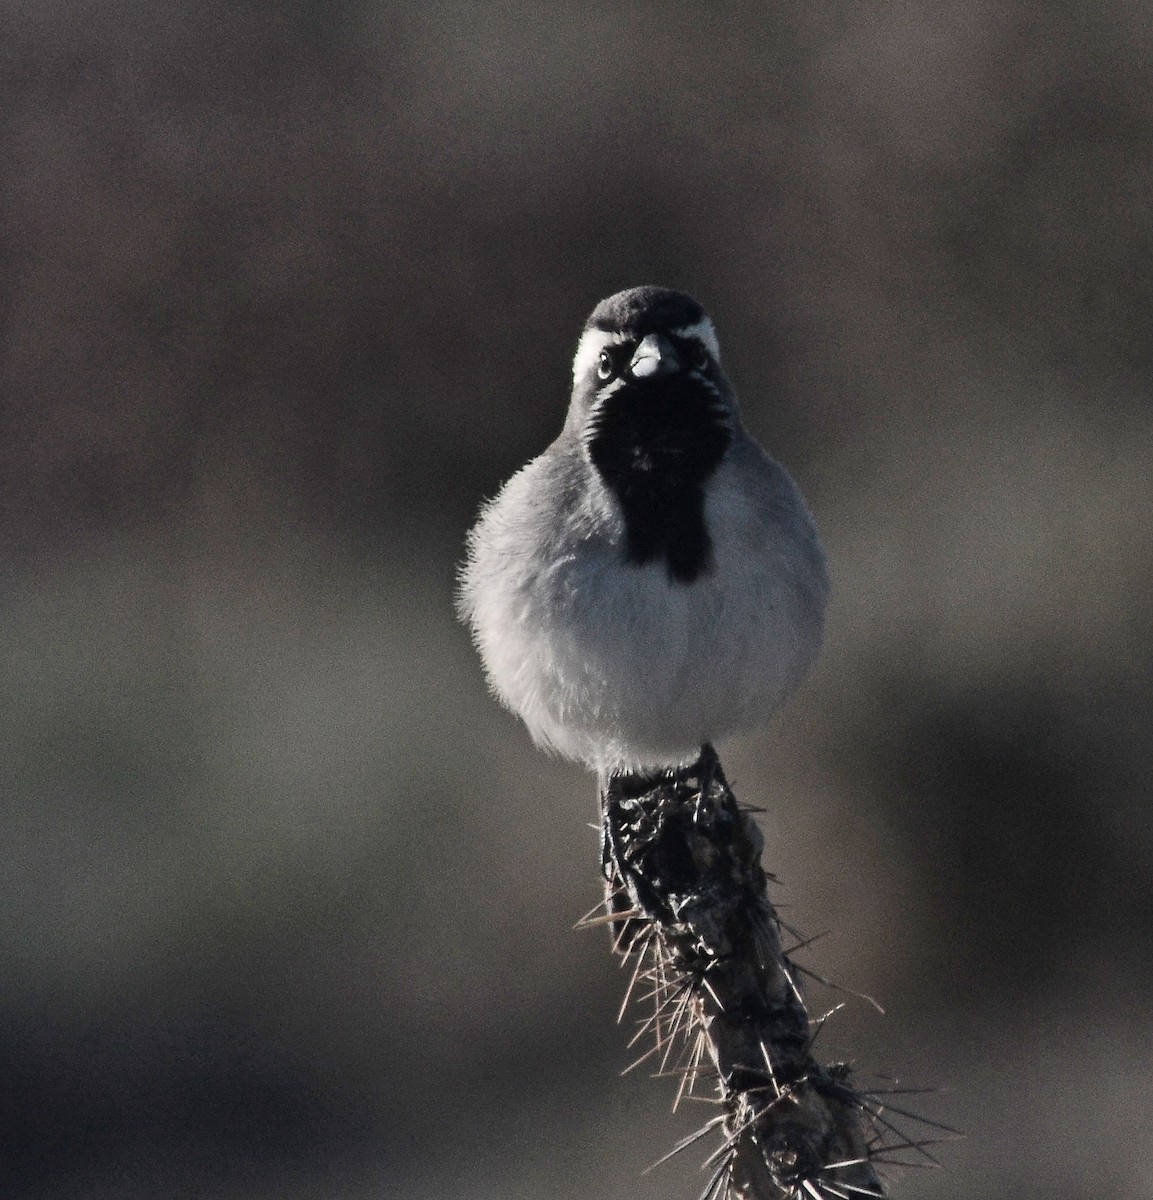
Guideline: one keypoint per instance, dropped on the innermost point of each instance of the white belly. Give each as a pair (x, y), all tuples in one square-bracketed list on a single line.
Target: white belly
[(614, 665)]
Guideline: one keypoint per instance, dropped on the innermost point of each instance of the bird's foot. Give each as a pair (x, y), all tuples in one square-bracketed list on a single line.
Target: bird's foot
[(708, 769), (616, 786)]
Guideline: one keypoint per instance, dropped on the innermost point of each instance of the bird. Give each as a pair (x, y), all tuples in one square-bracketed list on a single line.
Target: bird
[(654, 581)]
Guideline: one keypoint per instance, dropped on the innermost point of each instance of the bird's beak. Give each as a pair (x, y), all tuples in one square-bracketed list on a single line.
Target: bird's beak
[(654, 356)]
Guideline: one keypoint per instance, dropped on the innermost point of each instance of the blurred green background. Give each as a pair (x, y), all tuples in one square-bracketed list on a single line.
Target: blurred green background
[(286, 290)]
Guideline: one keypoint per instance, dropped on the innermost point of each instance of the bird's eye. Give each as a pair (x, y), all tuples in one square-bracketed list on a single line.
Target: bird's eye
[(606, 368), (699, 357)]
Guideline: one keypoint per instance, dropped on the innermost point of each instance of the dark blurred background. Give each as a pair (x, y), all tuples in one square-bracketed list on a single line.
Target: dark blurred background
[(286, 290)]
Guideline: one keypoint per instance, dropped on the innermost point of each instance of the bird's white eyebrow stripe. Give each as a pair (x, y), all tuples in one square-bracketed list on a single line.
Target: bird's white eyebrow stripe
[(593, 341), (701, 331)]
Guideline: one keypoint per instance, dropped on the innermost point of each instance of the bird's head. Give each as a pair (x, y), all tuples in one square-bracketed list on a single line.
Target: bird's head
[(650, 401)]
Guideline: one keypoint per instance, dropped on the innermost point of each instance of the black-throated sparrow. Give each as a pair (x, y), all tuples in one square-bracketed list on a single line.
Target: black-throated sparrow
[(653, 581)]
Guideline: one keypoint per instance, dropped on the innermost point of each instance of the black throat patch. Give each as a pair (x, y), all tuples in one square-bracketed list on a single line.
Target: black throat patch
[(655, 443)]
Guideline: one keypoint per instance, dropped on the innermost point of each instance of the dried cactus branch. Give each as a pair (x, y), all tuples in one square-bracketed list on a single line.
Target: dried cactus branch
[(725, 1012)]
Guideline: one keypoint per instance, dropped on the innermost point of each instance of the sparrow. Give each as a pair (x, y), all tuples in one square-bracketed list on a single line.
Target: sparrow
[(653, 582)]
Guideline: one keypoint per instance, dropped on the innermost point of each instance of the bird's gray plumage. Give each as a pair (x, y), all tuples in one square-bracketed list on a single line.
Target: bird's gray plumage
[(653, 581)]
